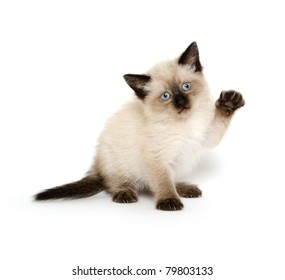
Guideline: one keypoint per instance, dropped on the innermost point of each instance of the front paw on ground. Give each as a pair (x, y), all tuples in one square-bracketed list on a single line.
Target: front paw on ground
[(230, 101), (125, 197), (188, 190), (169, 204)]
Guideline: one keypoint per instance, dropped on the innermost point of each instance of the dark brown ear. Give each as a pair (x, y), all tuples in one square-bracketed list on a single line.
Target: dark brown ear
[(137, 83), (191, 57)]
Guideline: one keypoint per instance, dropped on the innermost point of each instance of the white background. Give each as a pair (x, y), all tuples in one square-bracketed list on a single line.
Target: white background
[(61, 67)]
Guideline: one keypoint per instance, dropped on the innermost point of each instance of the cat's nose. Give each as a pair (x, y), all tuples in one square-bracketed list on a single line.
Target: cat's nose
[(180, 100)]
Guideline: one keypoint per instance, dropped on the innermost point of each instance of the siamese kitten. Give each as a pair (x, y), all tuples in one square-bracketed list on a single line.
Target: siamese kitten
[(153, 142)]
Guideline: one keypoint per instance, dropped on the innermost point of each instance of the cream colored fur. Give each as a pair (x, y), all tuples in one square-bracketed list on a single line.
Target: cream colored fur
[(148, 144)]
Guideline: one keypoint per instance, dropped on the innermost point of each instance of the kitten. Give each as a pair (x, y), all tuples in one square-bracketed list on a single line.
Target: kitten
[(153, 142)]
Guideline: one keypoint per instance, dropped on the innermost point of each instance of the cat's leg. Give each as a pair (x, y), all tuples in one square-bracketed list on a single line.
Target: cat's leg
[(188, 190), (122, 190), (162, 185), (228, 102)]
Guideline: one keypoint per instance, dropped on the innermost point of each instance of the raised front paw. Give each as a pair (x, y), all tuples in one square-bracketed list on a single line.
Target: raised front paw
[(229, 101), (169, 204)]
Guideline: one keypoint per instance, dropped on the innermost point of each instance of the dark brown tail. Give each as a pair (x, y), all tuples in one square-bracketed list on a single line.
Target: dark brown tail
[(82, 188)]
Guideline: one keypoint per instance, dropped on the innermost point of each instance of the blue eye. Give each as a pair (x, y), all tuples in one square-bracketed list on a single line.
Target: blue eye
[(186, 86), (165, 96)]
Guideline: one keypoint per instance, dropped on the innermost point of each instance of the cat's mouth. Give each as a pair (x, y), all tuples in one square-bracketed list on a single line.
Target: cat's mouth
[(183, 110)]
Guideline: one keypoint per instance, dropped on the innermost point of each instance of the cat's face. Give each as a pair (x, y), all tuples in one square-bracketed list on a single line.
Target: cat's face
[(172, 88)]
